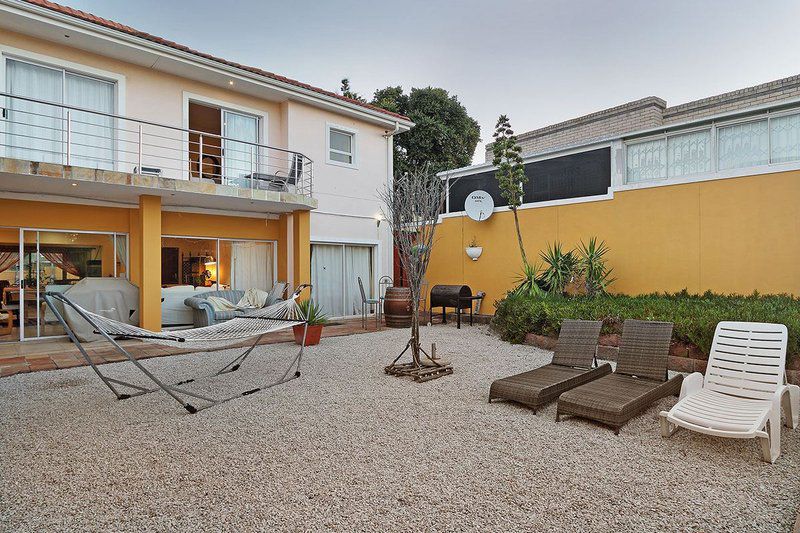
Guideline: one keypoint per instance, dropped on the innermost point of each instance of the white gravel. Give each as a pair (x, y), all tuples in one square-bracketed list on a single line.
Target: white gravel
[(348, 448)]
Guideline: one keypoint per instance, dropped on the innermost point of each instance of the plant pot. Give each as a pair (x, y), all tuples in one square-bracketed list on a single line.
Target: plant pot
[(312, 335), (474, 252)]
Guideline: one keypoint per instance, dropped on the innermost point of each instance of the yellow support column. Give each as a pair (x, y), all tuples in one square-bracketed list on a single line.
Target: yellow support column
[(149, 230), (283, 247), (301, 247)]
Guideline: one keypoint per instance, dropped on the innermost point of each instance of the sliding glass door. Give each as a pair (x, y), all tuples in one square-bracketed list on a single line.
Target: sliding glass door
[(335, 270)]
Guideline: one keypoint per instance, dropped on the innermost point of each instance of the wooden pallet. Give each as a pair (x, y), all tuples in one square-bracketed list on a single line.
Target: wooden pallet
[(419, 373)]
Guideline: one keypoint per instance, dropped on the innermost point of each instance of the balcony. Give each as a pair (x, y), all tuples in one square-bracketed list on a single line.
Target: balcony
[(48, 148)]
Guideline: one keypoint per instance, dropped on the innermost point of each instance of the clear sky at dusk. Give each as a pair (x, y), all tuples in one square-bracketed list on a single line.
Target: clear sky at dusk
[(539, 62)]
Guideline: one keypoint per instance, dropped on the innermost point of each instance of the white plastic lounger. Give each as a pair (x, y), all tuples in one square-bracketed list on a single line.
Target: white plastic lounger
[(743, 390)]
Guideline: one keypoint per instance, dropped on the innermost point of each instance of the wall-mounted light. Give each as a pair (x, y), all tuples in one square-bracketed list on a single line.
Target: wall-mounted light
[(379, 219)]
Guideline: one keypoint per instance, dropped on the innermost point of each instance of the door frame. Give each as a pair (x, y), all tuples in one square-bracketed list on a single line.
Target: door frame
[(374, 244), (262, 115)]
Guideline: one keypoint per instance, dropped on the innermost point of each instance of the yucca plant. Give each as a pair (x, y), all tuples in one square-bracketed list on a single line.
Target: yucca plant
[(592, 267), (560, 268), (313, 313), (526, 284)]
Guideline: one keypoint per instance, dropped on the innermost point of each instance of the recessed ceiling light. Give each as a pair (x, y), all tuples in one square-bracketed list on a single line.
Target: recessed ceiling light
[(74, 184), (230, 82)]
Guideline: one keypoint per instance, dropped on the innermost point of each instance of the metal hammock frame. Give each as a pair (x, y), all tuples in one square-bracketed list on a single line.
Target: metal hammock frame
[(176, 390)]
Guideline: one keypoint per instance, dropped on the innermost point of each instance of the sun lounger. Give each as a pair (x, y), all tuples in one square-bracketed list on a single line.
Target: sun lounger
[(639, 380), (571, 366), (743, 389)]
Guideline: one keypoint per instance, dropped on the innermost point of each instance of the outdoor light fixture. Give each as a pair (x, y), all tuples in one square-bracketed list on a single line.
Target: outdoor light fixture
[(379, 218)]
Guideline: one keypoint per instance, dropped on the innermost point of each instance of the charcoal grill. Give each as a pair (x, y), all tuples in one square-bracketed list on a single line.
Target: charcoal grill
[(459, 297)]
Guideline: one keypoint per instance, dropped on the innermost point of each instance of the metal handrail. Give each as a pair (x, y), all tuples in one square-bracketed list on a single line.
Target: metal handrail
[(245, 161)]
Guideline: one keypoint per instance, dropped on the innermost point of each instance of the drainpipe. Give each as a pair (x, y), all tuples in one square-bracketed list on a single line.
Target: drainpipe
[(389, 177)]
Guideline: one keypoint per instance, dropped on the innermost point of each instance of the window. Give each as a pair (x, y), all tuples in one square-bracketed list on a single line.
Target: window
[(689, 153), (647, 161), (784, 138), (335, 271), (743, 145), (36, 131), (341, 146)]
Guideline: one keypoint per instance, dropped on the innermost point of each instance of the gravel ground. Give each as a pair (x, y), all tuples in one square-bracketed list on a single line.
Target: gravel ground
[(348, 448)]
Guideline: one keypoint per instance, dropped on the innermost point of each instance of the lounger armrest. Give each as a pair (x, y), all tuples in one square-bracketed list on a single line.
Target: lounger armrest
[(692, 384), (788, 397)]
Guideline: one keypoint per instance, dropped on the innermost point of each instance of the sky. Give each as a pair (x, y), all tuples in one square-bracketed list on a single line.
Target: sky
[(539, 62)]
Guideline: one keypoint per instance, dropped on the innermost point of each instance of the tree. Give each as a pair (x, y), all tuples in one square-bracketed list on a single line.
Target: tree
[(412, 207), (510, 173), (445, 136), (347, 92)]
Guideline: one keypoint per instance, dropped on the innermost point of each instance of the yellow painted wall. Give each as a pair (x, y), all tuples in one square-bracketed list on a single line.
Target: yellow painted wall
[(728, 236)]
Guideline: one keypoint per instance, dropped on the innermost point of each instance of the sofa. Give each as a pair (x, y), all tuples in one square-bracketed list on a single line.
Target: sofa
[(173, 311), (204, 314)]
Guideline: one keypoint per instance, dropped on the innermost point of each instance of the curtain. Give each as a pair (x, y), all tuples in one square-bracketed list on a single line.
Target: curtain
[(326, 278), (8, 259), (357, 263), (92, 141), (121, 242), (34, 131), (238, 156), (251, 265), (63, 261)]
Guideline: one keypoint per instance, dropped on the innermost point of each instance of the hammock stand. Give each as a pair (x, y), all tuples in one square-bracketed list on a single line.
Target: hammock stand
[(288, 315)]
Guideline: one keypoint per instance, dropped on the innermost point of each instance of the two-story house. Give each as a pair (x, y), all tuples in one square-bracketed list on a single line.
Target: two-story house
[(125, 154)]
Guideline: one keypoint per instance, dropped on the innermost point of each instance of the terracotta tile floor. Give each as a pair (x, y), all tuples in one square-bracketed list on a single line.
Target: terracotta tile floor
[(33, 356)]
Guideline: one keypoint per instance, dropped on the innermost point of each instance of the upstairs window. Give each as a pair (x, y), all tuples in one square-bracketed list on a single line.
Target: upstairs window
[(341, 146), (743, 145)]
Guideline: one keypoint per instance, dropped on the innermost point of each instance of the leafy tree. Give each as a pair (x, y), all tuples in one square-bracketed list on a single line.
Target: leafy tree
[(510, 172), (349, 93), (445, 136)]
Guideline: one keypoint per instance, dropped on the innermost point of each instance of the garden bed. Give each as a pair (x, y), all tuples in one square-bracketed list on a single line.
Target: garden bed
[(695, 317)]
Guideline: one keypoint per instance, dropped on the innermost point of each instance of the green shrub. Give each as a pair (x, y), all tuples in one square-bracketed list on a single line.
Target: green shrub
[(695, 316)]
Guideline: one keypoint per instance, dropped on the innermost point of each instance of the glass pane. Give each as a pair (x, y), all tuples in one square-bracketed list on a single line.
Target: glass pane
[(785, 138), (189, 262), (249, 264), (326, 277), (743, 145), (357, 264), (689, 153), (344, 158), (34, 130), (341, 141), (239, 157), (647, 161), (9, 284), (92, 140)]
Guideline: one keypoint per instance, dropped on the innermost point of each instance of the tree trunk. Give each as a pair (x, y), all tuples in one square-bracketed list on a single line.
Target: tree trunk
[(519, 237)]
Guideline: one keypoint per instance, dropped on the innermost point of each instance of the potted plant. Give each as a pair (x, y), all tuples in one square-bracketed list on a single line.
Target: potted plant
[(316, 320), (474, 251)]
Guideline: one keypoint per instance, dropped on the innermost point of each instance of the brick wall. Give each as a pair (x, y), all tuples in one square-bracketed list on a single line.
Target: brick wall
[(650, 112)]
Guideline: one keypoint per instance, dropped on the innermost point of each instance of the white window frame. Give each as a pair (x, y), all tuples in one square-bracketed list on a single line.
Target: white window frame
[(712, 133), (354, 146), (375, 250)]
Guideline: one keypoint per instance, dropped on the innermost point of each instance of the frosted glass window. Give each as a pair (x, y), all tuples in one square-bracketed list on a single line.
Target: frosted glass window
[(647, 161), (689, 153), (785, 138), (743, 145)]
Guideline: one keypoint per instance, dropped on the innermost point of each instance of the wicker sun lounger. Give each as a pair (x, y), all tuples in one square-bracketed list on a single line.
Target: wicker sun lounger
[(639, 380), (571, 366)]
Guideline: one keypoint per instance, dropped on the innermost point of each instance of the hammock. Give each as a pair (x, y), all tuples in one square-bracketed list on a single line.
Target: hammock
[(247, 324)]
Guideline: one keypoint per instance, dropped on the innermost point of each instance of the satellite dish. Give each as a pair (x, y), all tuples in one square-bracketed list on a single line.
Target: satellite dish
[(479, 205)]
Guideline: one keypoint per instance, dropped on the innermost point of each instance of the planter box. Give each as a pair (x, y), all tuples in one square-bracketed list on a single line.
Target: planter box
[(312, 335)]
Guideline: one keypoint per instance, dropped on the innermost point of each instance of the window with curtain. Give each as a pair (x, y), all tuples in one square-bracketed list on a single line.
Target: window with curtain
[(646, 161), (689, 153), (784, 138), (251, 265), (743, 145), (357, 264), (341, 146), (327, 270), (36, 131), (239, 157), (92, 141)]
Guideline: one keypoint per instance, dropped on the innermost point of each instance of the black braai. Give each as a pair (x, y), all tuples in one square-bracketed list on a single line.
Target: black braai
[(459, 297)]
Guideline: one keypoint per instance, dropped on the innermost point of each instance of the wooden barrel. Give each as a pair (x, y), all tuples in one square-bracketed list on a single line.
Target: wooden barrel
[(397, 307)]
